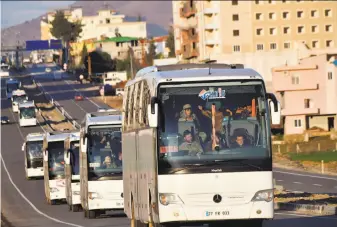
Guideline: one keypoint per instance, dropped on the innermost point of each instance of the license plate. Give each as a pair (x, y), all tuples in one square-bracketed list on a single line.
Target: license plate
[(216, 213), (119, 204)]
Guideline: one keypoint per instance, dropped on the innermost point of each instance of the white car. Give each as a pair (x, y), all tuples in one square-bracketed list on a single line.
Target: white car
[(48, 70)]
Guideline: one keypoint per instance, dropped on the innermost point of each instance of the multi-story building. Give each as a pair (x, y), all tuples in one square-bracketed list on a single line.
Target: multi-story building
[(308, 93), (106, 22), (259, 34)]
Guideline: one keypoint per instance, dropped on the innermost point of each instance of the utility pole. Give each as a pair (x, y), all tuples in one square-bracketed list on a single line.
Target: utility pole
[(89, 66), (131, 63)]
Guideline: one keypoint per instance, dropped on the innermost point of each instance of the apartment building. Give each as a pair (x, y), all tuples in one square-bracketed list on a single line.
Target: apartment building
[(107, 22), (259, 34), (308, 93)]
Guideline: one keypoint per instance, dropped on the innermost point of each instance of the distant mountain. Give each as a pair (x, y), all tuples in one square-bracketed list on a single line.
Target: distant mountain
[(157, 14)]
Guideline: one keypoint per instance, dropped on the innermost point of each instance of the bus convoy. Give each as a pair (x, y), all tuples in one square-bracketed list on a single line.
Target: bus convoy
[(18, 96), (196, 142)]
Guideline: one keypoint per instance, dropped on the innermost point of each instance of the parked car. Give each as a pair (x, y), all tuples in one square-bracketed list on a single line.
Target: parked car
[(120, 92), (78, 97), (4, 120)]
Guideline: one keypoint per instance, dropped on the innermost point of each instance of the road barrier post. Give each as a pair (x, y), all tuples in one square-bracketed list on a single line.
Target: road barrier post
[(319, 147), (322, 162), (279, 149)]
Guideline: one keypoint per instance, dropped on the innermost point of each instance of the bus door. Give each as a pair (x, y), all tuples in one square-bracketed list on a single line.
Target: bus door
[(68, 175)]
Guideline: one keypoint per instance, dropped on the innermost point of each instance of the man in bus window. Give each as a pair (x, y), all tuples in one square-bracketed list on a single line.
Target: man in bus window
[(240, 138), (108, 164), (187, 115), (219, 141), (193, 147)]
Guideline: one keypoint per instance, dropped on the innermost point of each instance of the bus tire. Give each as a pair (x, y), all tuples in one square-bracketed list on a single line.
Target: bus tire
[(85, 212), (69, 207), (75, 208), (91, 214)]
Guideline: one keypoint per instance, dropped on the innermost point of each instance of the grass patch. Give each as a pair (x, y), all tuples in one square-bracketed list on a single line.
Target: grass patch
[(328, 156)]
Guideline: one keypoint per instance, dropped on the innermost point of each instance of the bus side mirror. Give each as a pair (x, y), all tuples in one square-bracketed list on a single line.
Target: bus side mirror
[(275, 109), (23, 147), (152, 113), (67, 157)]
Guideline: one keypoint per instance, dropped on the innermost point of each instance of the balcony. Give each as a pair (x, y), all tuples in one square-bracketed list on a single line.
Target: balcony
[(300, 111), (189, 52), (211, 10), (212, 26), (189, 36), (187, 11), (212, 42)]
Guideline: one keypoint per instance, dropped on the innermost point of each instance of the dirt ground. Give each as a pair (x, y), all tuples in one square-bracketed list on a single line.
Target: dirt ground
[(306, 198), (114, 102)]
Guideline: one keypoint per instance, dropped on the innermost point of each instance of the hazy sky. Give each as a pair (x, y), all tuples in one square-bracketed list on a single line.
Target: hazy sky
[(16, 12)]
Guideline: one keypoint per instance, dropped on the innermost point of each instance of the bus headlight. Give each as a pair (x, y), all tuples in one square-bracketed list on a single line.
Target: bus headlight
[(264, 195), (93, 195), (76, 193), (169, 198), (53, 190)]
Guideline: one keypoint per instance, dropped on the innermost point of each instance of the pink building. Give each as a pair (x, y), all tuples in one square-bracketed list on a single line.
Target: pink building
[(308, 93)]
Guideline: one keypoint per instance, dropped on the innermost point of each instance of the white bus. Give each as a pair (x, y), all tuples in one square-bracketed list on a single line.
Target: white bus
[(27, 114), (72, 171), (197, 146), (32, 148), (12, 85), (17, 97), (53, 166), (101, 163)]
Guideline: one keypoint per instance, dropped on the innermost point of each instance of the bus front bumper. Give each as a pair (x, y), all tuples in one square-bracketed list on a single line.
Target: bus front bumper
[(106, 203), (35, 172), (75, 193), (28, 122), (57, 189)]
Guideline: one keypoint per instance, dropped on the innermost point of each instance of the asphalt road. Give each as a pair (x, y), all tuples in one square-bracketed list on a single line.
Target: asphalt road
[(23, 202)]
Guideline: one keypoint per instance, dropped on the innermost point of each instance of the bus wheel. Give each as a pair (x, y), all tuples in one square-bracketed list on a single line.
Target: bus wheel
[(76, 208), (85, 212), (92, 214), (52, 202), (69, 207)]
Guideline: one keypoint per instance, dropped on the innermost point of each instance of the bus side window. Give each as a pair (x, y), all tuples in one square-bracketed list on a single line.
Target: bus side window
[(126, 109), (130, 106), (141, 105), (136, 105), (146, 102)]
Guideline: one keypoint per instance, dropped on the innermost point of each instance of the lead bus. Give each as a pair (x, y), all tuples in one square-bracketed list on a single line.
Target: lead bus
[(53, 166), (12, 85), (72, 171), (101, 163), (27, 114), (197, 146), (32, 148), (18, 96)]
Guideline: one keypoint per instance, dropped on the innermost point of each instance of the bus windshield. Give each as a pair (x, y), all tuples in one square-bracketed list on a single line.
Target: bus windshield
[(207, 124), (12, 87), (18, 99), (56, 159), (34, 154), (27, 113), (104, 151), (75, 157)]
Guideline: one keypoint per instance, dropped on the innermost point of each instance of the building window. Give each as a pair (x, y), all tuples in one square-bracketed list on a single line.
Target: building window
[(236, 48), (101, 22), (328, 13), (314, 44), (284, 1), (300, 29), (273, 46), (107, 21), (259, 31), (329, 43), (286, 30), (298, 123), (285, 15), (329, 75), (314, 13), (194, 45), (235, 17), (257, 2), (235, 2), (259, 47), (272, 16), (236, 32), (314, 28), (299, 14), (295, 79), (328, 28), (307, 103), (272, 31), (286, 45), (258, 16)]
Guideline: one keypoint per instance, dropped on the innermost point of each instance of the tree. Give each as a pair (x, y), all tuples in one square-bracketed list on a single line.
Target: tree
[(170, 43), (84, 54), (65, 30), (100, 62), (152, 52)]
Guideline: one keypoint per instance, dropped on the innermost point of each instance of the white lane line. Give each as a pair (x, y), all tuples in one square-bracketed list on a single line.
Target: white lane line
[(79, 91), (306, 175), (24, 197), (279, 180), (303, 215), (319, 185), (297, 182)]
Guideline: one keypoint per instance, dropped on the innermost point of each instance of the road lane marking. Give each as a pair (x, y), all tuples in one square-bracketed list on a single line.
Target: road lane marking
[(319, 185), (306, 175), (279, 180), (79, 91), (297, 182)]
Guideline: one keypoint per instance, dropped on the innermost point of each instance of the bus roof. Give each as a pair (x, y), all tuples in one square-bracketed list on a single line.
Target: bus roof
[(101, 118), (35, 136), (18, 92), (57, 137), (74, 136), (194, 72), (26, 104)]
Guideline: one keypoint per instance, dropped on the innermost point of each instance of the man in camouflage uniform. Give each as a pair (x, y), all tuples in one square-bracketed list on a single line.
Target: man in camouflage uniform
[(193, 147)]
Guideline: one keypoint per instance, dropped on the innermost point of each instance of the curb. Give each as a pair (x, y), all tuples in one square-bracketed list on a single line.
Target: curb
[(315, 209)]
